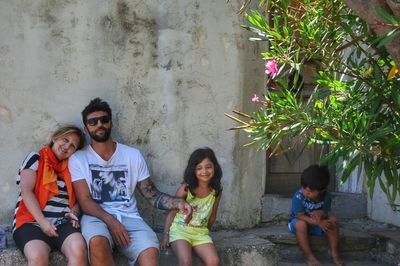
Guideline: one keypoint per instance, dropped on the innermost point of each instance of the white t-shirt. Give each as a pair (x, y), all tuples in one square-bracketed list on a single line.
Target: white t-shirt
[(111, 183)]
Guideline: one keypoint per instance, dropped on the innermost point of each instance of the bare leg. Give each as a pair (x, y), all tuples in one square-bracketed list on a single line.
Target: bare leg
[(208, 254), (302, 238), (333, 237), (37, 253), (183, 250), (100, 252), (74, 248), (148, 257)]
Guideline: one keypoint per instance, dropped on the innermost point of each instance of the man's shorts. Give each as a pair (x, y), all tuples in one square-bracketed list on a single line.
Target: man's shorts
[(194, 235), (141, 235), (312, 229), (30, 231)]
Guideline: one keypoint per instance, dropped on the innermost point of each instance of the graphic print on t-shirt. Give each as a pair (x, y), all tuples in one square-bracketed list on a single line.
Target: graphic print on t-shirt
[(109, 183)]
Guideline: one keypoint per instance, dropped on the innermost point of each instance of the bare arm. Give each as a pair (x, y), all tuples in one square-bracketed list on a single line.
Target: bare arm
[(161, 200), (213, 215), (180, 193), (28, 181), (90, 207), (325, 224), (306, 218)]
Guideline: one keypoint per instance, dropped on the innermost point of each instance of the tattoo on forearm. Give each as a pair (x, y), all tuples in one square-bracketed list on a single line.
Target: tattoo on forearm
[(157, 198)]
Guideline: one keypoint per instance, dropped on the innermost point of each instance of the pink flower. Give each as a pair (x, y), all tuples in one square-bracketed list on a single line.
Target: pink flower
[(255, 99), (271, 67)]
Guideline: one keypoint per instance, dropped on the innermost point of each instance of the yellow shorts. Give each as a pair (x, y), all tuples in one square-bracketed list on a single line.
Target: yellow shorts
[(194, 235)]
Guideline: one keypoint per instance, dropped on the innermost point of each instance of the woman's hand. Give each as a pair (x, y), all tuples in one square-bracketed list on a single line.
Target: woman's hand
[(164, 243), (73, 218), (48, 228)]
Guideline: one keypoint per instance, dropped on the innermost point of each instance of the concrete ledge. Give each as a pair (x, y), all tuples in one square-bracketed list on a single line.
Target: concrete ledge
[(233, 247)]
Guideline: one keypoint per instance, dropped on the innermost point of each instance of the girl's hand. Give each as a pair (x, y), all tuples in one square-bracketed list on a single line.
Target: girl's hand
[(73, 219), (48, 228), (164, 243)]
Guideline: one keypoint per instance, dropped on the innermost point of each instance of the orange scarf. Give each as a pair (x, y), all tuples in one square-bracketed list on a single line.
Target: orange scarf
[(46, 185)]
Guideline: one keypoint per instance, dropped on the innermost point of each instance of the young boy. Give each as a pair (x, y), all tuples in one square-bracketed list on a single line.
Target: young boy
[(310, 206)]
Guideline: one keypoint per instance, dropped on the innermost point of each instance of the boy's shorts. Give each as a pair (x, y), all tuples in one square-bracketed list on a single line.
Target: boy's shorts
[(312, 229), (194, 235), (30, 231), (141, 235)]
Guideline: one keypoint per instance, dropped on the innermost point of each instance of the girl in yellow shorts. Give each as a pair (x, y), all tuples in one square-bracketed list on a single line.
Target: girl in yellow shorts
[(202, 190)]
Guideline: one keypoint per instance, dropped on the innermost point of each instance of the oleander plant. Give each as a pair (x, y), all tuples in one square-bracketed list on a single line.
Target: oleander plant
[(331, 80)]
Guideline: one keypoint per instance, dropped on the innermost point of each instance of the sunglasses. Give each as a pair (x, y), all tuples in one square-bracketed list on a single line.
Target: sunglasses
[(103, 119)]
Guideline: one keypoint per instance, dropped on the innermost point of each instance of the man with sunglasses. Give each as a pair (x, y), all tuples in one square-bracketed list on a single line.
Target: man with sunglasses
[(115, 219)]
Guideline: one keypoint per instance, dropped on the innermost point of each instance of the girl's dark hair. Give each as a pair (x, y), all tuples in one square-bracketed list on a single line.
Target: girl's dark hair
[(315, 177), (190, 172), (95, 105)]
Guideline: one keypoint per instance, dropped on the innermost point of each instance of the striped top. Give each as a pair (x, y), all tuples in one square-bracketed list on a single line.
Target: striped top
[(57, 206)]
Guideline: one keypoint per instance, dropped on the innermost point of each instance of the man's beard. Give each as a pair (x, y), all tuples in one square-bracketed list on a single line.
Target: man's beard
[(102, 138)]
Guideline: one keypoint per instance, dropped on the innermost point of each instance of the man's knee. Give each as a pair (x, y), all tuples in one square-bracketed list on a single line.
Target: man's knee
[(150, 252), (99, 246), (149, 255)]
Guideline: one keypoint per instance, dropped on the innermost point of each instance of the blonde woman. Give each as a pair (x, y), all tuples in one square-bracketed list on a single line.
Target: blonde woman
[(46, 215)]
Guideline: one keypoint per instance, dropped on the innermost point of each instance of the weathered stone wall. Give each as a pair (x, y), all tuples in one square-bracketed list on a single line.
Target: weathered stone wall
[(380, 210), (169, 69)]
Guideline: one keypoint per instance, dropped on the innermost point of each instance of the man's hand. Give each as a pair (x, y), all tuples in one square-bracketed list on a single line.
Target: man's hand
[(160, 200), (118, 232), (185, 207), (164, 242)]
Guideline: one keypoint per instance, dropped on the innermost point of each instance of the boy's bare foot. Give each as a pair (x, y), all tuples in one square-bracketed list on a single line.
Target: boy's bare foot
[(312, 261), (336, 259)]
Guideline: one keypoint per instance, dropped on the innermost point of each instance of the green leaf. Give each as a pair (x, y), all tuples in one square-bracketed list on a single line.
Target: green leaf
[(387, 16), (388, 37), (348, 169)]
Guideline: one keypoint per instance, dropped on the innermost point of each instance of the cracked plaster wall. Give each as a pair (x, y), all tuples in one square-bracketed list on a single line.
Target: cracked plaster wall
[(169, 70)]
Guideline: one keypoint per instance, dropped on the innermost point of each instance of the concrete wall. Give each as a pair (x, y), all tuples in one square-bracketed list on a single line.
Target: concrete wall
[(169, 69), (379, 208)]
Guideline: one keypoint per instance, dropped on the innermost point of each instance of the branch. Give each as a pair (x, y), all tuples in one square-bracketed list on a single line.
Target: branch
[(394, 6)]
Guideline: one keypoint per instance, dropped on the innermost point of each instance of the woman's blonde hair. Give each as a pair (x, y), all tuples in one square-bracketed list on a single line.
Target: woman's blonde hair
[(66, 130)]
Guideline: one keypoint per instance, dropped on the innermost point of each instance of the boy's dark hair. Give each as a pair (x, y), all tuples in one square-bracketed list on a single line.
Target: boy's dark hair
[(315, 177), (95, 105), (190, 175)]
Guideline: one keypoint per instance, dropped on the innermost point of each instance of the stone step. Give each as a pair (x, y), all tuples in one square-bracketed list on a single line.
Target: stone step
[(277, 207), (350, 240), (326, 262), (233, 248), (297, 255), (270, 244), (353, 245)]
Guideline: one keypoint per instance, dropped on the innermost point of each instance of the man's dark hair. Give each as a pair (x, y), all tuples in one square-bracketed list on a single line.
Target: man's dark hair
[(95, 105), (315, 177)]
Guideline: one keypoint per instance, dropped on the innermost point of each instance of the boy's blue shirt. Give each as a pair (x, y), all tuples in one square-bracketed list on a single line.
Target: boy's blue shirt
[(301, 204)]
